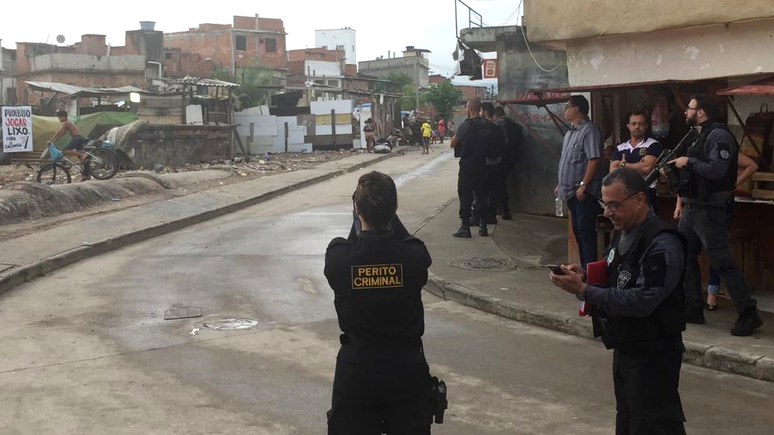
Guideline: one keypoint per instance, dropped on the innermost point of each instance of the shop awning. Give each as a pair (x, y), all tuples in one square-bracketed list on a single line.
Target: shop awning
[(538, 97), (758, 87)]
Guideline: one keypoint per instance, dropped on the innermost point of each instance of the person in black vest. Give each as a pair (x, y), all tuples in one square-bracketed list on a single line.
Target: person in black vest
[(494, 170), (640, 312), (382, 381), (513, 133), (707, 180), (474, 143)]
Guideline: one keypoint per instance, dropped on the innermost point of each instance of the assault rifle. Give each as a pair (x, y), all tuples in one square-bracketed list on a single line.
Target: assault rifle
[(666, 157)]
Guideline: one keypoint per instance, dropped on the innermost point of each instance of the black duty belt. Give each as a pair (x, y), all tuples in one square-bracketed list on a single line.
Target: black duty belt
[(386, 344)]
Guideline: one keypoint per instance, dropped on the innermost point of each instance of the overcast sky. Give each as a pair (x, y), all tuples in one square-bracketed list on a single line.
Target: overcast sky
[(381, 26)]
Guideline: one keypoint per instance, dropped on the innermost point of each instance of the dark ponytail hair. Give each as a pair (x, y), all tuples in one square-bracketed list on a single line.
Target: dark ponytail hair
[(376, 198)]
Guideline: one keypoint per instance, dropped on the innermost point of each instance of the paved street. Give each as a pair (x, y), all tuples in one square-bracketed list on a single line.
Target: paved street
[(86, 350)]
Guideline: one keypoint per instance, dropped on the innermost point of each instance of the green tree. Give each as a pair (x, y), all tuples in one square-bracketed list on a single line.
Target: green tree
[(443, 97), (409, 100), (250, 80)]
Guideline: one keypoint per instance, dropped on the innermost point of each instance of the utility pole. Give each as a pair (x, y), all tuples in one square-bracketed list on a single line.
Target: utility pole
[(416, 77)]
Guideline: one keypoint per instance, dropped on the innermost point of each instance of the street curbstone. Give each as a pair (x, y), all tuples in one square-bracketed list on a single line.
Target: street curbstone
[(716, 358), (26, 273)]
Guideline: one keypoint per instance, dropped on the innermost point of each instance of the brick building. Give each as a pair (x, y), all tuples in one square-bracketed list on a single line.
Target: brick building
[(249, 41), (298, 59), (90, 62), (7, 73)]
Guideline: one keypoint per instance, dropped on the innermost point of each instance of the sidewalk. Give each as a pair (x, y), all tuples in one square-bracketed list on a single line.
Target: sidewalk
[(25, 258), (502, 275)]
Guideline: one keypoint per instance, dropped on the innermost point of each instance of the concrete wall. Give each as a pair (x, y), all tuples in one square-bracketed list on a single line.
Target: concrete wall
[(178, 145), (532, 182), (416, 67), (84, 62), (551, 20), (690, 54), (519, 73), (337, 37)]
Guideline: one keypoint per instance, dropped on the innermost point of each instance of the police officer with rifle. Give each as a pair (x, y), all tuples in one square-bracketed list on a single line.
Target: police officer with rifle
[(382, 382), (706, 184), (639, 310)]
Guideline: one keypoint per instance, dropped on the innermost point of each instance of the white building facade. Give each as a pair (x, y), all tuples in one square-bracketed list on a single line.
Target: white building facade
[(339, 39)]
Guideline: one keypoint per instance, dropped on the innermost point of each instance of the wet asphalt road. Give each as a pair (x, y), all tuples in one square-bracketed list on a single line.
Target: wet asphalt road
[(86, 350)]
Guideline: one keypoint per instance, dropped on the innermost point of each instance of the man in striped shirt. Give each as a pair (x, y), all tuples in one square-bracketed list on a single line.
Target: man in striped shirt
[(640, 152)]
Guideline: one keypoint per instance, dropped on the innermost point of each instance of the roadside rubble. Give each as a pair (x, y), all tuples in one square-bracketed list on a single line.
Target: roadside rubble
[(257, 165)]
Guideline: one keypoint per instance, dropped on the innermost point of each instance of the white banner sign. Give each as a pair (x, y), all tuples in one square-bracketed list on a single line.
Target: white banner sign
[(17, 129)]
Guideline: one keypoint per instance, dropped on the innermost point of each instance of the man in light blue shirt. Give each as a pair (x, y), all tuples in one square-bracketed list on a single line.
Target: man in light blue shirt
[(580, 176)]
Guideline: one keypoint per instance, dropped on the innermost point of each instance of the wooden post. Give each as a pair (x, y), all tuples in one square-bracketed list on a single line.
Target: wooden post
[(333, 125), (287, 136)]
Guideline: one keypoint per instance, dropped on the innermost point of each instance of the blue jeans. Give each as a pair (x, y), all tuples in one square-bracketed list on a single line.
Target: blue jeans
[(584, 226)]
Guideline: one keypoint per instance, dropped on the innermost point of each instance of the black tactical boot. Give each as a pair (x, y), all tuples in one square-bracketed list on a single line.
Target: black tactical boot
[(747, 323), (694, 316), (463, 232), (482, 231)]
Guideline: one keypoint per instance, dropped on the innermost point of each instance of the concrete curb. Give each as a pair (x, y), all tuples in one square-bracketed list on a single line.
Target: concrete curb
[(716, 358), (19, 275)]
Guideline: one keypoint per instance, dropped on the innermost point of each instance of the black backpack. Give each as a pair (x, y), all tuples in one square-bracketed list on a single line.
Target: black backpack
[(485, 140)]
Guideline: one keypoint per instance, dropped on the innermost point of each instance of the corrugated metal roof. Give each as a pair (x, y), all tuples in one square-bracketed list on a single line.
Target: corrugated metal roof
[(72, 90), (210, 83)]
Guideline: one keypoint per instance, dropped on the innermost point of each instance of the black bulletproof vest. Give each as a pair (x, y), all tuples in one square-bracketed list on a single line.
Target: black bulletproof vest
[(481, 141), (693, 185), (664, 324)]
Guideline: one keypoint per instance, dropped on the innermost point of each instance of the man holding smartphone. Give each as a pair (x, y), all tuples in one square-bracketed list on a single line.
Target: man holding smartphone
[(640, 311)]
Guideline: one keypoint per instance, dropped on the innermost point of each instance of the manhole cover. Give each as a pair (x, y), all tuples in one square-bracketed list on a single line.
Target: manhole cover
[(478, 263), (229, 323)]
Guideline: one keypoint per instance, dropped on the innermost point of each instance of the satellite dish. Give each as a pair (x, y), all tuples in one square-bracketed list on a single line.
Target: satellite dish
[(60, 39)]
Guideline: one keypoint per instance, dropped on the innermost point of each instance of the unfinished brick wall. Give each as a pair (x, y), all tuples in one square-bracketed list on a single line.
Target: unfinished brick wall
[(247, 47), (94, 45)]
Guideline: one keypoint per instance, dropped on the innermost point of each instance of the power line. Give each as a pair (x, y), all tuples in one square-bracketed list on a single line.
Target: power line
[(532, 55)]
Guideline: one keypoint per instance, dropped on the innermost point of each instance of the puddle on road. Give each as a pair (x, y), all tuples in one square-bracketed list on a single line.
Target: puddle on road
[(228, 323)]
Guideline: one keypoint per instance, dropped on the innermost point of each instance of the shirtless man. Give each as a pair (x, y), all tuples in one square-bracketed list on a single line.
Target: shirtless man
[(76, 145)]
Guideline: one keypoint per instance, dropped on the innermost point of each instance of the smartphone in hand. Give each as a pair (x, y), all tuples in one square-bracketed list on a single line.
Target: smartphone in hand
[(557, 270)]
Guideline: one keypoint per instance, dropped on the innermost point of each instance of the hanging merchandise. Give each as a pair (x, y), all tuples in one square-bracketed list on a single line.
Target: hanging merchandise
[(469, 62), (759, 125), (659, 117)]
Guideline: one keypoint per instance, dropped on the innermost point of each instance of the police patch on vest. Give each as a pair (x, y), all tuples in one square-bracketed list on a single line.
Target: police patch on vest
[(724, 150), (623, 279), (377, 276), (611, 257)]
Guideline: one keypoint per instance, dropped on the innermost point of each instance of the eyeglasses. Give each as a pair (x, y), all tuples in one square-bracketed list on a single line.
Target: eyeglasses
[(691, 108), (614, 205)]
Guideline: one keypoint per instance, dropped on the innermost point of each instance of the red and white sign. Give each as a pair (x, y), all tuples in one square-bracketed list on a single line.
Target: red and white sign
[(17, 129), (490, 69)]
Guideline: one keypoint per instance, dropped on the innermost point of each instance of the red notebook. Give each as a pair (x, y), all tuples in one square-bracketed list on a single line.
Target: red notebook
[(596, 275)]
